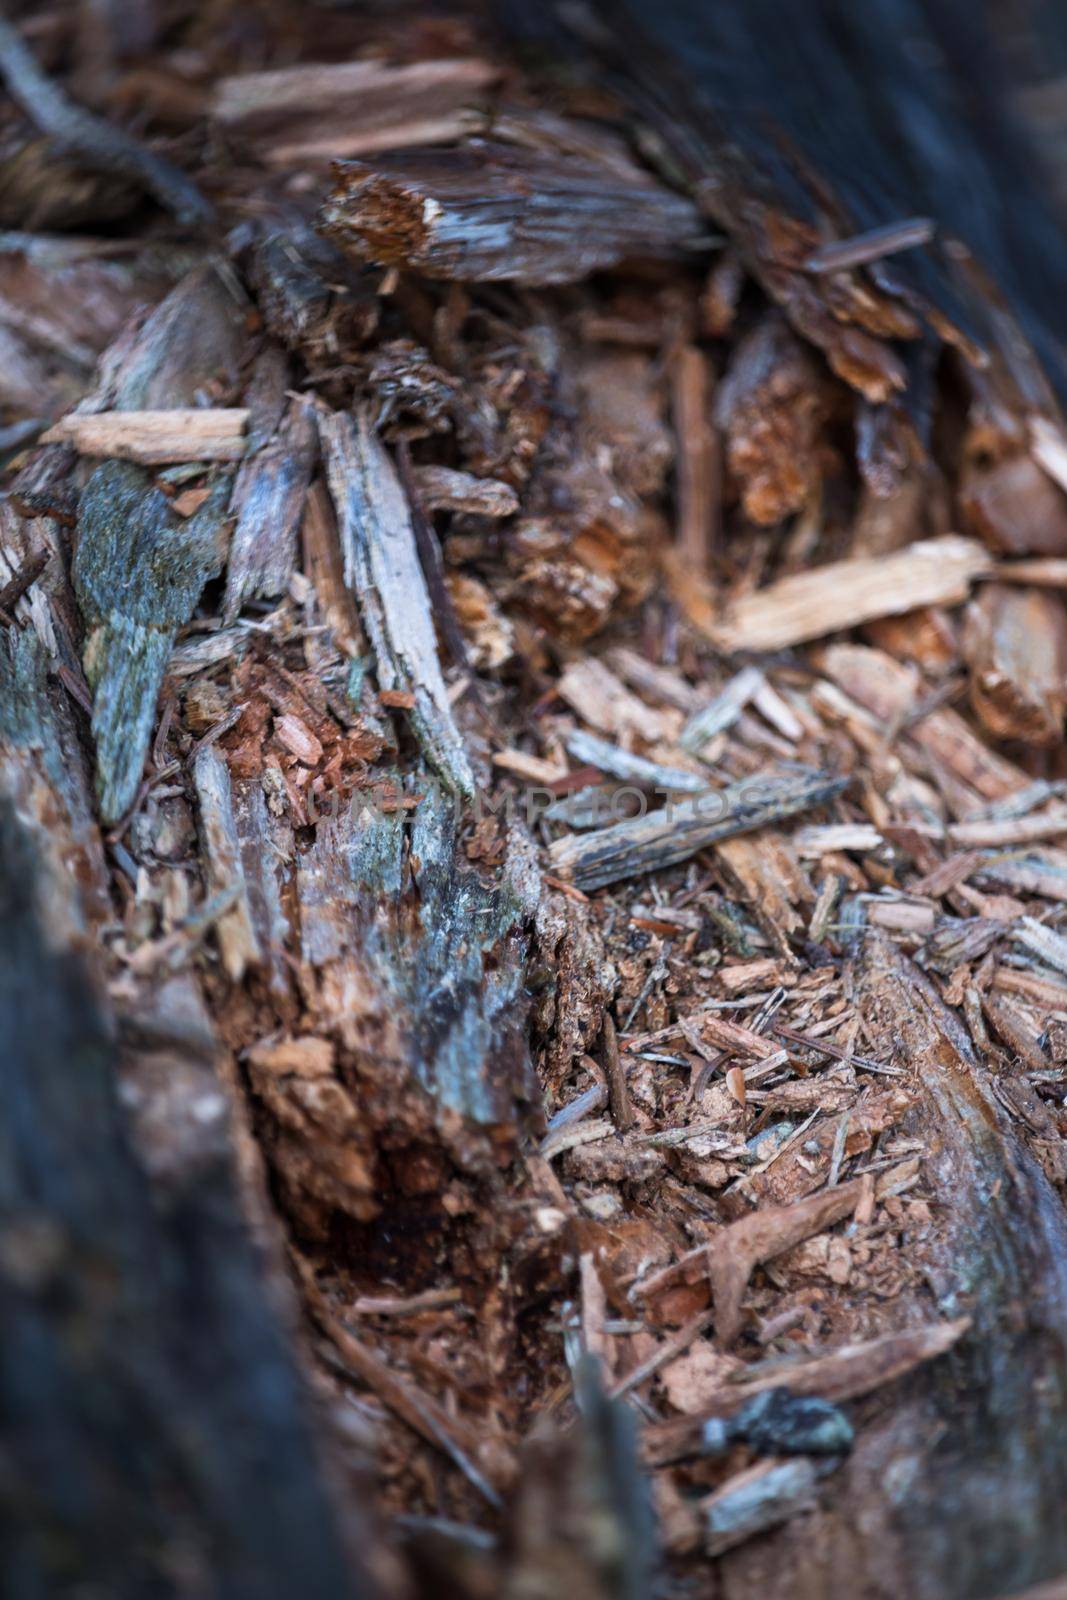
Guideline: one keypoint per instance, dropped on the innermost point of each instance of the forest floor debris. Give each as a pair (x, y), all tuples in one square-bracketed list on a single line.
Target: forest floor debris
[(613, 836)]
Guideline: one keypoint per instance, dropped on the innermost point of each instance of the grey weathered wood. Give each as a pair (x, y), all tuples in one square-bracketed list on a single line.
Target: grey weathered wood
[(488, 213), (382, 568), (675, 832), (138, 571)]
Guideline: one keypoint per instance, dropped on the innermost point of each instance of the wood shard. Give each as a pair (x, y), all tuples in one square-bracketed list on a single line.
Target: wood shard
[(137, 578), (382, 568), (236, 936), (594, 752), (871, 246), (674, 833), (319, 112), (490, 213), (723, 711), (845, 593), (153, 437), (268, 502)]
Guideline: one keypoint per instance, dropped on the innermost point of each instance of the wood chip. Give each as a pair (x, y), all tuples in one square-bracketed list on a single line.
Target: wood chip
[(154, 437), (827, 599)]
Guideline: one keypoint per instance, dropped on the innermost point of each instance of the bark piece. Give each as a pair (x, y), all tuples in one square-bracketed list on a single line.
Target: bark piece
[(444, 489), (845, 593), (734, 1253), (237, 940), (137, 577), (324, 566), (414, 966), (382, 569), (674, 833), (491, 213), (599, 698), (154, 436), (313, 298), (268, 502), (758, 1498), (770, 880)]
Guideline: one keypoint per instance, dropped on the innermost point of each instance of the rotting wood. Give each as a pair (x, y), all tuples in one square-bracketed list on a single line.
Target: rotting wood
[(401, 1001), (171, 1292), (492, 213)]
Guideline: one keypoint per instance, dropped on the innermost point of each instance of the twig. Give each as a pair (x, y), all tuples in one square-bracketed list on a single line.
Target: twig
[(618, 1089), (863, 248), (92, 140), (16, 587), (666, 1352)]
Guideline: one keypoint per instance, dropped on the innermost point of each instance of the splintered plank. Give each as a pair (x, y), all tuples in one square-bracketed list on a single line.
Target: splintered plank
[(382, 568), (825, 600), (674, 833), (154, 436), (138, 572), (495, 213)]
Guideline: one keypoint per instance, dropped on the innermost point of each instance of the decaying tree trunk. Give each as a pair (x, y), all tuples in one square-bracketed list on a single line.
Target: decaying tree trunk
[(154, 1440), (533, 672)]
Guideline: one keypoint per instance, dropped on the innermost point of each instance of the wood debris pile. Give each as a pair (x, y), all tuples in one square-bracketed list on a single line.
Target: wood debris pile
[(543, 676)]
